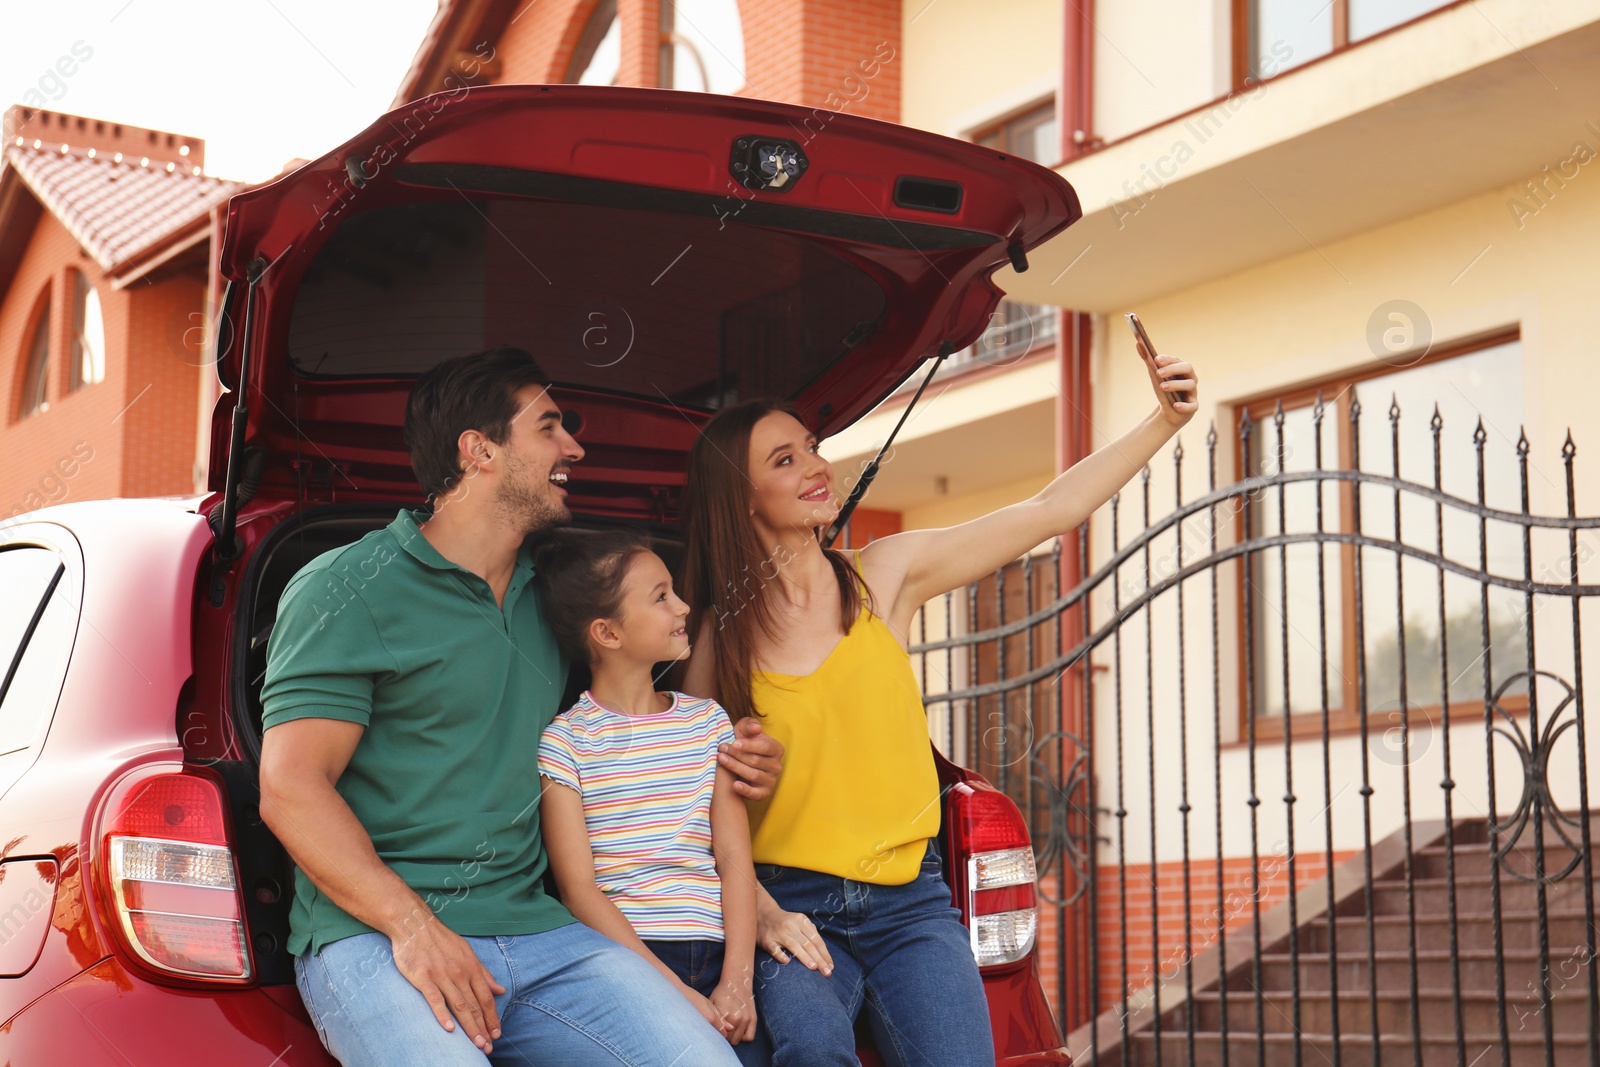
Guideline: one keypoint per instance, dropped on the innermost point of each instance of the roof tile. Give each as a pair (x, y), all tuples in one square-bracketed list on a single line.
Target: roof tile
[(116, 211)]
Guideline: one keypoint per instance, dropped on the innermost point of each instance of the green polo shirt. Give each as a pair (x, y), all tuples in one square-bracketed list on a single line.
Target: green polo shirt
[(454, 691)]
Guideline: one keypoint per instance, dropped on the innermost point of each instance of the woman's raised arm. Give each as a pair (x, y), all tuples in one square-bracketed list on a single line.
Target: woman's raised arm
[(907, 569)]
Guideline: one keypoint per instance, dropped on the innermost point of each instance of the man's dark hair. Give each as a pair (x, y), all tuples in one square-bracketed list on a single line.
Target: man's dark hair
[(472, 392), (580, 573)]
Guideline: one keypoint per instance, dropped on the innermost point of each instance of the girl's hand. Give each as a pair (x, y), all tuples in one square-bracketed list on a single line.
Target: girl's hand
[(1169, 375), (738, 1006), (789, 933), (709, 1012)]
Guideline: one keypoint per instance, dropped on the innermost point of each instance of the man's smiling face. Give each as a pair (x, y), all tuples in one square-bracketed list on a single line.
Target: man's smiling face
[(538, 457)]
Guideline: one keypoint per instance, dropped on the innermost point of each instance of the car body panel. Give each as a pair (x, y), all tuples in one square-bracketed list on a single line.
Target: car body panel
[(27, 898), (108, 1017), (117, 708)]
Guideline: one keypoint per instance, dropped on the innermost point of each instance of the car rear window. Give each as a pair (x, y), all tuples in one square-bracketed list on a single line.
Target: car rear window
[(628, 301), (38, 618)]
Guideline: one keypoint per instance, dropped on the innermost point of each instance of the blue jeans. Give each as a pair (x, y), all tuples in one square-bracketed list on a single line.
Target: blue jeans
[(572, 996), (699, 964), (900, 953)]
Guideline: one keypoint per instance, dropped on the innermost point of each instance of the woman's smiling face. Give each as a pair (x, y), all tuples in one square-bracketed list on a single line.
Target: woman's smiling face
[(791, 484)]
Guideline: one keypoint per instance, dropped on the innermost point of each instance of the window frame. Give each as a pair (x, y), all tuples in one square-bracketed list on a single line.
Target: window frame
[(1028, 117), (1336, 389), (33, 379), (1240, 77), (82, 289)]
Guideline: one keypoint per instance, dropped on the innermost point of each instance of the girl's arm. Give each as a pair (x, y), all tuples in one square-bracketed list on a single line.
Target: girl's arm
[(566, 839), (730, 845), (905, 570)]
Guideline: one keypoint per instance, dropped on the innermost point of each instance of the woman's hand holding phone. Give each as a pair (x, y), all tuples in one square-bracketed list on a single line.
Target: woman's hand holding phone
[(1174, 380)]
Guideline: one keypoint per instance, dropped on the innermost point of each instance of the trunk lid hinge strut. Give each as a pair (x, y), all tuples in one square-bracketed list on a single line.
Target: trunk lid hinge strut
[(864, 483)]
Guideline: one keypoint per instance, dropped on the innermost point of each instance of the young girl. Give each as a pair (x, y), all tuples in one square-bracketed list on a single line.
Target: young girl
[(647, 840), (850, 879)]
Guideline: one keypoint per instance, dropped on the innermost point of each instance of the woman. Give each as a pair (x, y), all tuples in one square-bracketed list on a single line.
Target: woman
[(813, 642)]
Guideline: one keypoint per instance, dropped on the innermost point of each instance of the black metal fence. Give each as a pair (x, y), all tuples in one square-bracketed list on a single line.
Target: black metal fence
[(1406, 656)]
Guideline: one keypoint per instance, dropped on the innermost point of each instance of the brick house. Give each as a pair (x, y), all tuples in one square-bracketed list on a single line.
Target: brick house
[(106, 233)]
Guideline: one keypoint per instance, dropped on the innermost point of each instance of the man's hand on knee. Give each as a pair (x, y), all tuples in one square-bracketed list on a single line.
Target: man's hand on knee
[(449, 975)]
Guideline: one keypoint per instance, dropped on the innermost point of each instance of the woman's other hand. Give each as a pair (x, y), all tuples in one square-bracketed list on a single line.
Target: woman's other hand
[(790, 934), (1170, 375), (755, 759)]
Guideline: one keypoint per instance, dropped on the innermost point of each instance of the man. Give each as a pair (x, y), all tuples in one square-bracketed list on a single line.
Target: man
[(409, 678)]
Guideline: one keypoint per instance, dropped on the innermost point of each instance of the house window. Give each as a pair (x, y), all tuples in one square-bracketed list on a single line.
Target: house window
[(36, 364), (597, 59), (1290, 636), (1034, 135), (88, 333), (1278, 35), (702, 46)]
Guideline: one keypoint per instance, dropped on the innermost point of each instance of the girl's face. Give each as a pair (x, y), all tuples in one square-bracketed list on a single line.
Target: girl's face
[(651, 622), (791, 485)]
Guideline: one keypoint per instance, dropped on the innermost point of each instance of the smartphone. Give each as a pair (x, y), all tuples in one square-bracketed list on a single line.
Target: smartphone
[(1138, 331)]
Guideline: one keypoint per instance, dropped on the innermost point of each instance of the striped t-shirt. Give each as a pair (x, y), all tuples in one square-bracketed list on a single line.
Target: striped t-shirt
[(646, 784)]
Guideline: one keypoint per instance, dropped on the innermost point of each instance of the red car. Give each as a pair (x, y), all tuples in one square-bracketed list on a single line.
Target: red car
[(663, 254)]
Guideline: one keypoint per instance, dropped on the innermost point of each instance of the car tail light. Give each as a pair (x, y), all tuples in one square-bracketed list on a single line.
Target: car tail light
[(171, 883), (995, 871)]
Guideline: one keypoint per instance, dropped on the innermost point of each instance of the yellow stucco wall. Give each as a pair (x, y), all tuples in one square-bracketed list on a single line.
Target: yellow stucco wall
[(969, 62)]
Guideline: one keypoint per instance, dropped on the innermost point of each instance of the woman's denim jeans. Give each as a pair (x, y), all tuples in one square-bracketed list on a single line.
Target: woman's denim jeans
[(900, 954)]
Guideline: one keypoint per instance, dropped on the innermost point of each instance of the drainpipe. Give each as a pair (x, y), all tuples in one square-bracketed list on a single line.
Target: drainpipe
[(1077, 80), (1074, 441)]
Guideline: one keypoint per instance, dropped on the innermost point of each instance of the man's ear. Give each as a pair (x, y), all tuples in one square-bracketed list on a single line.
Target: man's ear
[(474, 452), (602, 634)]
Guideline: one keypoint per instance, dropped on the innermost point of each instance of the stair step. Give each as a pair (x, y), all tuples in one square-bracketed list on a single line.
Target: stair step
[(1473, 860), (1434, 970), (1476, 831), (1473, 895), (1567, 931), (1569, 1012), (1317, 1050)]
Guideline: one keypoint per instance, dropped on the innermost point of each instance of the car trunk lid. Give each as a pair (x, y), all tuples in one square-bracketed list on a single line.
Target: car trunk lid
[(611, 233)]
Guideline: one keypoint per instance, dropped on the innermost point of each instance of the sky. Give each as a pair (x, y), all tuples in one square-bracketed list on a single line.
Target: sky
[(261, 81)]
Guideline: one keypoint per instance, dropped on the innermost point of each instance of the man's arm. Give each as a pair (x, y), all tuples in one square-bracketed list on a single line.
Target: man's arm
[(301, 761)]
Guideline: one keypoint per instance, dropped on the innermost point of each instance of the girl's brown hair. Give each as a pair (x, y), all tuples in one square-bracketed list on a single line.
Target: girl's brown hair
[(727, 572), (580, 574)]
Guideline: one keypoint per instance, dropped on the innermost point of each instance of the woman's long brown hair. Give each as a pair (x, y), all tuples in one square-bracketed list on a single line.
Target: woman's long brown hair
[(727, 572)]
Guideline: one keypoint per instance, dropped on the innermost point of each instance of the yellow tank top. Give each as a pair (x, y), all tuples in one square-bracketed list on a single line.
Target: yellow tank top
[(859, 796)]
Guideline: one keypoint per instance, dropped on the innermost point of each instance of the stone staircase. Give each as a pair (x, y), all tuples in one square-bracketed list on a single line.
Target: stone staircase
[(1364, 1011)]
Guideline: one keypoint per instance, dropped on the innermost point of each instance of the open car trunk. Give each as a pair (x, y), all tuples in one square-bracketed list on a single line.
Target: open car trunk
[(630, 240)]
